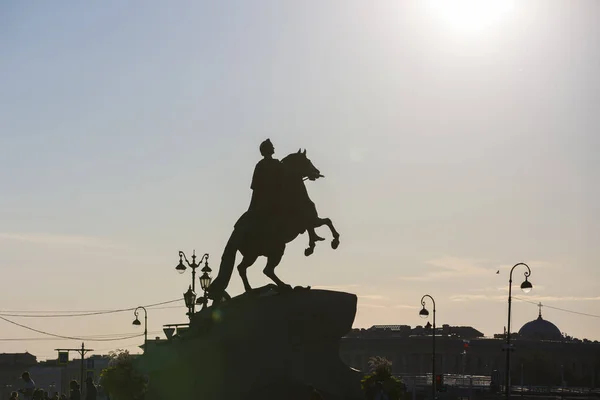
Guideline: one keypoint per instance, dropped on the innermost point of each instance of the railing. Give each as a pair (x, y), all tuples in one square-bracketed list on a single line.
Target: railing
[(553, 389), (483, 384), (478, 381)]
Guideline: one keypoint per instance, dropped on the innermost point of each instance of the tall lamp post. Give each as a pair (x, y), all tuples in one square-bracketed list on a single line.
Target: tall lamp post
[(137, 322), (424, 314), (193, 265), (526, 286)]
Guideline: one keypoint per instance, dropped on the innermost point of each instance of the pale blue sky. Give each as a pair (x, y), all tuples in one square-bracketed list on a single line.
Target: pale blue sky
[(130, 131)]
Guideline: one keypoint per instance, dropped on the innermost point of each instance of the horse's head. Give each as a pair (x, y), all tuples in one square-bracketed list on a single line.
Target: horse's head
[(299, 165)]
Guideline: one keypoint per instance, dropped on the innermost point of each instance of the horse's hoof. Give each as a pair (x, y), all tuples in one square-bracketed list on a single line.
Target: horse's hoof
[(308, 251), (335, 243), (285, 288)]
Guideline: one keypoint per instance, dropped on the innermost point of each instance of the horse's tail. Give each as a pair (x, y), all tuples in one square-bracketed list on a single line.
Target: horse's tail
[(217, 287)]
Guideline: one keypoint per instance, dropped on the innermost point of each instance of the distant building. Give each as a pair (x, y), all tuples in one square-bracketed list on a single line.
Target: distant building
[(542, 356), (540, 329)]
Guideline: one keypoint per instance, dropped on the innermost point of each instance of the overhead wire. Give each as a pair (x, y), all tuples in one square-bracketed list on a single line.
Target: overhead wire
[(81, 314), (558, 308), (109, 349), (95, 338), (92, 337), (68, 337), (105, 350)]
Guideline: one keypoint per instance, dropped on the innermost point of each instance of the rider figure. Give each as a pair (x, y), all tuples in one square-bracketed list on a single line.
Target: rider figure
[(266, 184)]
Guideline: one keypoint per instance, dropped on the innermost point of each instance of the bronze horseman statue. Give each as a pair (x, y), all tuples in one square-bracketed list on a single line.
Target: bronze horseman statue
[(279, 211)]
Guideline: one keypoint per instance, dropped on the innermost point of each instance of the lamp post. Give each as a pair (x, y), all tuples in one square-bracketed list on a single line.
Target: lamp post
[(424, 314), (137, 322), (526, 287), (193, 265)]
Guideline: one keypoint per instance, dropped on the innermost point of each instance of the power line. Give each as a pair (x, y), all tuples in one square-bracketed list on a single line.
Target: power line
[(108, 335), (96, 338), (66, 337), (82, 314), (123, 346), (117, 348), (559, 309)]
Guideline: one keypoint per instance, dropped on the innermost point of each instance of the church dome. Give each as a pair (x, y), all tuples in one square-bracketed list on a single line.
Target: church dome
[(540, 329)]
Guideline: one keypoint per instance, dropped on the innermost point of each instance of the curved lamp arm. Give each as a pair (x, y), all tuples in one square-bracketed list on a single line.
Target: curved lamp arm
[(204, 258), (193, 263), (423, 301), (182, 254), (527, 273), (135, 312)]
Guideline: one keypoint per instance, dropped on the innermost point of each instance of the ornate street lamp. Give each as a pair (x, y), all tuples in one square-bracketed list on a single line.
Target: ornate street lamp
[(205, 281), (137, 322), (193, 265), (526, 286), (190, 300), (424, 313)]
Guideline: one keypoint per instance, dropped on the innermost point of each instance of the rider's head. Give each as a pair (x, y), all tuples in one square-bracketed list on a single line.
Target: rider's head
[(266, 148)]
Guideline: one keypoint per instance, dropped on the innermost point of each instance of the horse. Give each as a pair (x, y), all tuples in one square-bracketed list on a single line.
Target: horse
[(254, 237)]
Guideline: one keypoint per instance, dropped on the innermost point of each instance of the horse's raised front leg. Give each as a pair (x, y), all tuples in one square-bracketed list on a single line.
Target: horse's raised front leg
[(336, 236), (242, 267), (313, 238), (320, 222)]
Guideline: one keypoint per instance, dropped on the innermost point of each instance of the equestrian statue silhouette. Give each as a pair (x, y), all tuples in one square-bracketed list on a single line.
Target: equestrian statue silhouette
[(279, 211)]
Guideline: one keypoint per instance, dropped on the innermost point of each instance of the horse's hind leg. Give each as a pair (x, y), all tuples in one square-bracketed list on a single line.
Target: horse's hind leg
[(247, 261), (272, 262)]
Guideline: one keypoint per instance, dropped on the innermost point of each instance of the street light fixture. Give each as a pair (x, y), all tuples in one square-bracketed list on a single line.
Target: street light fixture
[(424, 313), (137, 322), (526, 286), (181, 266), (193, 265), (205, 281), (190, 300)]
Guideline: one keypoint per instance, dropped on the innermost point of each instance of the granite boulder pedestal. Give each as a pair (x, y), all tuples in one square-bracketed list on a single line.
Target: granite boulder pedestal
[(260, 345)]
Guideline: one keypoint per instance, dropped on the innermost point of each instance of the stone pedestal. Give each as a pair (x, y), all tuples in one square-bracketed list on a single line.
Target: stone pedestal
[(269, 345)]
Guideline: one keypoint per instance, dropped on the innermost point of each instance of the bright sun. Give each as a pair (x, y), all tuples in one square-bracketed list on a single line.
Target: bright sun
[(471, 15)]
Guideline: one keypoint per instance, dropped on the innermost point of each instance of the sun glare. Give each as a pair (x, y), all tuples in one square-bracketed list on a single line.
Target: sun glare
[(471, 15)]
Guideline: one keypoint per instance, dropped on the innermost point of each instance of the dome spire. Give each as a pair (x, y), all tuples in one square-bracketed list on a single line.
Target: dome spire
[(540, 329)]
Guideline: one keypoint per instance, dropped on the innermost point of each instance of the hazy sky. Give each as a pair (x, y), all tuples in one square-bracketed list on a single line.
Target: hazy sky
[(455, 142)]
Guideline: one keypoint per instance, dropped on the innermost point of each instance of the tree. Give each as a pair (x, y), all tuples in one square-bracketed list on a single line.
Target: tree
[(381, 372), (121, 379)]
